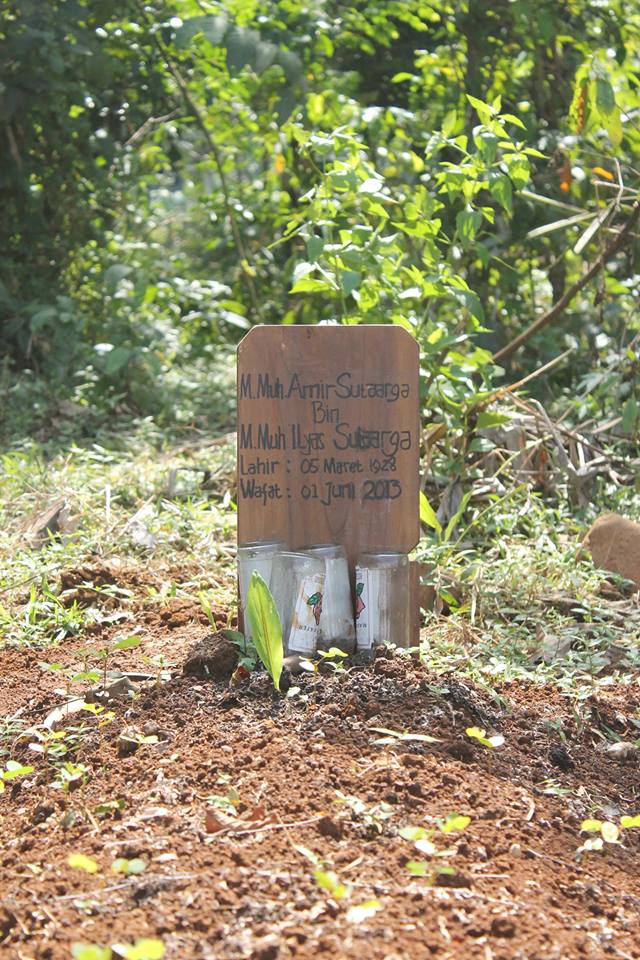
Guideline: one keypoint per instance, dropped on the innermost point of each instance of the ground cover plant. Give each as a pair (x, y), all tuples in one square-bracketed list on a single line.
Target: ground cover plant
[(460, 798), (172, 174)]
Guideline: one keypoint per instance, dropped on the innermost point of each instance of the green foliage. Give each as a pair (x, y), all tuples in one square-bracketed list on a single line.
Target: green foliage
[(393, 737), (423, 840), (477, 733), (45, 619), (246, 48), (70, 94), (90, 951), (80, 861), (328, 881), (143, 949), (176, 171), (12, 771), (606, 832), (266, 628), (128, 867)]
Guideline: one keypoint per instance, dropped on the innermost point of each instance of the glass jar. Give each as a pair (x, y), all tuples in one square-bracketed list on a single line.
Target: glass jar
[(259, 556), (337, 628), (382, 600), (297, 585)]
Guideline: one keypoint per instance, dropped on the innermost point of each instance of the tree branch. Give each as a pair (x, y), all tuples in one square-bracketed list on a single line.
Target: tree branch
[(621, 238), (217, 158)]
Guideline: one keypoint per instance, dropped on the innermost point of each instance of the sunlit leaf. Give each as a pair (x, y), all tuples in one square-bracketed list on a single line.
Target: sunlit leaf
[(629, 822), (79, 861), (428, 514), (362, 911), (591, 826), (265, 627)]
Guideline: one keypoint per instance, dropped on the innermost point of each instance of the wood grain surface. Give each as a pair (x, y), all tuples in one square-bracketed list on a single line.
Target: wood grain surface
[(328, 437)]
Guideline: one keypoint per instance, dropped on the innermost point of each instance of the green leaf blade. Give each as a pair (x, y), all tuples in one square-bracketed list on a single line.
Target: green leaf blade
[(265, 627)]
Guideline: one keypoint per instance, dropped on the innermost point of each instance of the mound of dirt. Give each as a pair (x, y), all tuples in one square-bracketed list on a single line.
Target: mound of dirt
[(285, 827), (614, 544), (212, 658)]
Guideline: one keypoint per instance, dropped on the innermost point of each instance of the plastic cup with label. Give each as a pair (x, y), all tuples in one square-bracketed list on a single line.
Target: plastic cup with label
[(297, 585), (255, 556), (382, 600), (337, 628)]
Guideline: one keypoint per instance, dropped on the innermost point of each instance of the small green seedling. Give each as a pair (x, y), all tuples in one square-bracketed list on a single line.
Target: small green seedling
[(128, 867), (108, 808), (90, 951), (328, 880), (334, 658), (266, 628), (477, 733), (144, 949), (207, 609), (372, 817), (248, 654), (608, 832), (139, 738), (325, 656), (12, 771), (423, 841), (106, 652), (401, 736), (362, 911), (80, 861), (628, 823), (52, 744), (453, 823), (160, 664), (70, 775), (100, 712), (227, 802)]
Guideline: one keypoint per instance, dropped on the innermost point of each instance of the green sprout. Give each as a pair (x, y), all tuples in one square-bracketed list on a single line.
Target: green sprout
[(401, 736), (607, 832), (423, 841), (313, 666), (265, 627), (13, 770), (477, 733)]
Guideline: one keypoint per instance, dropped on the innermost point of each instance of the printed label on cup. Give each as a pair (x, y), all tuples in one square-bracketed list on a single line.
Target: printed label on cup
[(305, 628), (367, 590)]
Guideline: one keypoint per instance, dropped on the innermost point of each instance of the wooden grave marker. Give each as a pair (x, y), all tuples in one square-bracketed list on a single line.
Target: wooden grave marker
[(329, 437)]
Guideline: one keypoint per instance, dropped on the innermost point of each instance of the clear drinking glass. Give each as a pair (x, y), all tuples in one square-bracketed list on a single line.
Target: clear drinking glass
[(258, 556), (297, 585), (337, 628), (382, 600)]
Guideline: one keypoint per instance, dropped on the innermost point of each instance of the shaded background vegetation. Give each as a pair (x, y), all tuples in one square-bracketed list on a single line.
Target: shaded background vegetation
[(173, 172)]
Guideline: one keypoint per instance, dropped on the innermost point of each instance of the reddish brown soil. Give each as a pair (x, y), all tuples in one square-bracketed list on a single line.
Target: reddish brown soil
[(244, 887)]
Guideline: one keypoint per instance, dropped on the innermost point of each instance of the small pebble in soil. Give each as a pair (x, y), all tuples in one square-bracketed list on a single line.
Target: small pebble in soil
[(327, 827), (292, 664), (266, 949), (42, 813), (152, 729), (213, 658), (456, 880), (559, 756), (461, 750), (120, 689), (503, 927), (623, 750), (126, 746)]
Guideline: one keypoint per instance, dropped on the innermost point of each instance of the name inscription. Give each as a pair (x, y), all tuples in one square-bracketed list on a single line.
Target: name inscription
[(325, 446)]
